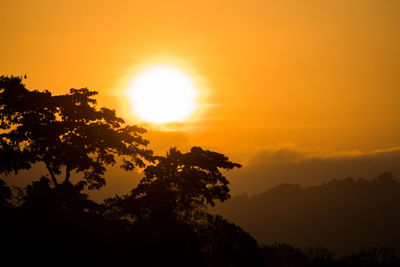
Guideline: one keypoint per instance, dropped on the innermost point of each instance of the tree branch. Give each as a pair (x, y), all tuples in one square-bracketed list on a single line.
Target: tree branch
[(53, 177), (67, 174)]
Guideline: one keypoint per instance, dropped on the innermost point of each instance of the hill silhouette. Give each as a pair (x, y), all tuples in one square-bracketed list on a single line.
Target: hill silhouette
[(343, 215)]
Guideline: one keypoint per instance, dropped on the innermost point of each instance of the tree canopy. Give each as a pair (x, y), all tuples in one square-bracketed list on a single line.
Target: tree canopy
[(179, 185), (64, 132)]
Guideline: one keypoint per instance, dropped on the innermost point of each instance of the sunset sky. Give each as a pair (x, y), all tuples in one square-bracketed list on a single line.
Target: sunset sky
[(318, 80)]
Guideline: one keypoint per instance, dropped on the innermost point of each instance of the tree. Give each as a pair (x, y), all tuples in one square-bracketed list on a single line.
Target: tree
[(168, 210), (180, 185), (64, 132)]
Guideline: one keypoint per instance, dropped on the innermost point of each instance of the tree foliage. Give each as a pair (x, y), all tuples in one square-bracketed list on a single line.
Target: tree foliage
[(64, 132), (179, 185)]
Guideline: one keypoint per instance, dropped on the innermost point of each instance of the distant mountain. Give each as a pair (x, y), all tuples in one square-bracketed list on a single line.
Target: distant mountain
[(311, 167), (342, 215)]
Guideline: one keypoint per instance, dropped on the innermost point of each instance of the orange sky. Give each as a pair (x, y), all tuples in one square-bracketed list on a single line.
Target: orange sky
[(315, 74)]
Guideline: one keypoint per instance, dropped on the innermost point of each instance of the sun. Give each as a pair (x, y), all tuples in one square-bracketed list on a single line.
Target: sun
[(163, 94)]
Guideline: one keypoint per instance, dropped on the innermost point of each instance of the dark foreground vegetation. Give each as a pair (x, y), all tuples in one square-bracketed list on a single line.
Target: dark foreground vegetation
[(164, 221)]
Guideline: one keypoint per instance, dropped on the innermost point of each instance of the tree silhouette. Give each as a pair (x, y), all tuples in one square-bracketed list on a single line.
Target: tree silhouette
[(65, 132), (180, 185), (226, 244), (169, 213)]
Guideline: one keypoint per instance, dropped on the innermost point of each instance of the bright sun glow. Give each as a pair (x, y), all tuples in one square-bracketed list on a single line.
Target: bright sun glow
[(162, 94)]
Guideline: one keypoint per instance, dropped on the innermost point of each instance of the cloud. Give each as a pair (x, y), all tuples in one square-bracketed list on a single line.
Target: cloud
[(292, 164)]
